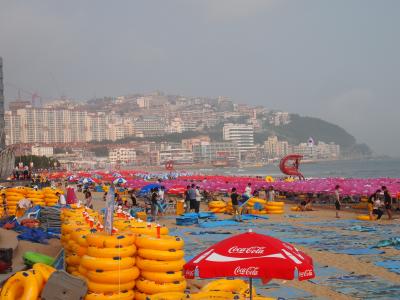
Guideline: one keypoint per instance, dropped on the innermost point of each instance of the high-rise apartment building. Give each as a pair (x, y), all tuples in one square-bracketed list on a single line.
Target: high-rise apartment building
[(42, 125), (275, 148), (241, 134)]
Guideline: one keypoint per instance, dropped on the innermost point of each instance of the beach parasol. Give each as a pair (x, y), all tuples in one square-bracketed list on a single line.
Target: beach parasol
[(251, 255), (86, 180), (119, 181)]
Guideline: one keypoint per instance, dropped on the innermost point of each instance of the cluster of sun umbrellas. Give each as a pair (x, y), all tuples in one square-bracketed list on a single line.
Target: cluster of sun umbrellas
[(176, 183)]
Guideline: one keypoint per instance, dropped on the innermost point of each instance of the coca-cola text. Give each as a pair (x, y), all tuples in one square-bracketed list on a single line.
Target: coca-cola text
[(247, 250)]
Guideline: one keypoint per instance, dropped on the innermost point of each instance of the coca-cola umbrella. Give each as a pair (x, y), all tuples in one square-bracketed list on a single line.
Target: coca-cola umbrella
[(251, 255)]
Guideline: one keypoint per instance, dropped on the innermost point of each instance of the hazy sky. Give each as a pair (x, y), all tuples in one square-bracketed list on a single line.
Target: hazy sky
[(338, 60)]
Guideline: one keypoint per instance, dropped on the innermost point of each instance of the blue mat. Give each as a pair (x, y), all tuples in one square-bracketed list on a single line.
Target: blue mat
[(219, 223), (391, 265), (254, 217), (284, 292), (361, 251), (360, 228)]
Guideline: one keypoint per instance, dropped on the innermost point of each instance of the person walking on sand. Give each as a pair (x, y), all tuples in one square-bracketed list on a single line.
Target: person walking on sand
[(187, 200), (198, 200), (271, 194), (371, 202), (338, 203), (377, 206), (154, 203), (387, 200), (235, 205)]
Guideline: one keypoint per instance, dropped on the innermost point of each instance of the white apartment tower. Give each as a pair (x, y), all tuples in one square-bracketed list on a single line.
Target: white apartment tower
[(241, 134)]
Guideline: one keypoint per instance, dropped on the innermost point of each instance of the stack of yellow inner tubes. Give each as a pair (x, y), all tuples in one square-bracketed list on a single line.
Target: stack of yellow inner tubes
[(160, 261), (37, 197), (13, 196), (26, 285), (218, 206), (140, 227), (251, 204), (275, 207), (109, 265), (50, 197), (75, 247)]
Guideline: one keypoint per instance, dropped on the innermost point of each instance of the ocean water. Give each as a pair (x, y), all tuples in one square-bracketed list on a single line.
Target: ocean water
[(339, 168)]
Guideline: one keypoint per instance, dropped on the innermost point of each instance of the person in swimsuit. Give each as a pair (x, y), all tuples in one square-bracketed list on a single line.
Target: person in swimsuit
[(338, 203), (387, 200)]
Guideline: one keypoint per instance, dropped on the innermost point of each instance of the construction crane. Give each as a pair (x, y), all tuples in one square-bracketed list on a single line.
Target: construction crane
[(36, 100)]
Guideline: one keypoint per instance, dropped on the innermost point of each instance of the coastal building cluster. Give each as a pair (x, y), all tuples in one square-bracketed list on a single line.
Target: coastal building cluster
[(154, 129)]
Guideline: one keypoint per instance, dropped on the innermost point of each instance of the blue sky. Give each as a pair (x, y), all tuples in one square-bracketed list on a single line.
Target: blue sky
[(338, 60)]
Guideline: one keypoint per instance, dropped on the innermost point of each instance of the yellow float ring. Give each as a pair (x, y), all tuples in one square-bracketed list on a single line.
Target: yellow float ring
[(159, 266), (257, 200), (44, 270), (73, 260), (103, 240), (164, 243), (107, 264), (160, 254), (295, 208), (111, 252), (217, 295), (273, 208), (162, 276), (365, 218), (226, 285), (170, 296), (123, 295), (113, 277), (148, 231), (151, 287), (276, 203), (21, 286), (109, 288), (217, 204)]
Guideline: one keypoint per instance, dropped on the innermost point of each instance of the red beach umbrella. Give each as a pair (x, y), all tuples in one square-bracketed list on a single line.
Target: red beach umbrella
[(251, 255)]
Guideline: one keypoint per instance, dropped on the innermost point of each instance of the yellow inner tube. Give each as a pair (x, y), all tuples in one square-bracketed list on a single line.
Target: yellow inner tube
[(111, 252), (164, 243), (102, 240), (151, 287), (123, 295), (109, 288), (113, 277), (107, 264), (160, 254), (21, 286), (235, 285), (273, 208), (275, 212), (44, 270), (365, 218), (162, 276), (159, 266)]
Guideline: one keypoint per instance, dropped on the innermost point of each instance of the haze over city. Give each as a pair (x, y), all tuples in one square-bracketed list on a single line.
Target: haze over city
[(335, 60)]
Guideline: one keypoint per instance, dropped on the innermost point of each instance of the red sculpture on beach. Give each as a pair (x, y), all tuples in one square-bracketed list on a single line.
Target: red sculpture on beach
[(289, 165)]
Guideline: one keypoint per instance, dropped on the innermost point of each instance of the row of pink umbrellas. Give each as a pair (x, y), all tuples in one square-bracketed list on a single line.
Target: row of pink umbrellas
[(217, 183)]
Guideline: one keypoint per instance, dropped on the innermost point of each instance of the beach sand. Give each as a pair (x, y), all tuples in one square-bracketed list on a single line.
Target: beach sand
[(341, 261)]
